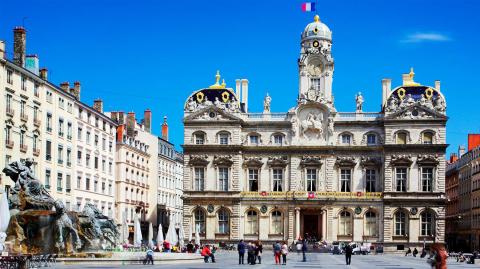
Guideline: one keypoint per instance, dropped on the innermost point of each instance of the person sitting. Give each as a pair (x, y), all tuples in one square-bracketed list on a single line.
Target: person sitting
[(409, 251), (415, 252), (206, 253), (190, 247)]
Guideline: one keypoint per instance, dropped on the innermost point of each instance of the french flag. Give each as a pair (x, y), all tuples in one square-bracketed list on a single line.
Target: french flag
[(308, 6)]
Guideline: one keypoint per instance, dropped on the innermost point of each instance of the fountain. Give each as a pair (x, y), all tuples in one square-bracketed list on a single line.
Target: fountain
[(39, 225)]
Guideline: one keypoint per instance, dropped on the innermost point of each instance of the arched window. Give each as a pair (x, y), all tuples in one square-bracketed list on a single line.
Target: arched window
[(252, 222), (254, 139), (277, 139), (400, 221), (199, 215), (371, 139), (427, 219), (427, 138), (370, 224), (346, 139), (345, 223), (277, 223), (223, 221), (199, 138), (401, 138), (223, 138)]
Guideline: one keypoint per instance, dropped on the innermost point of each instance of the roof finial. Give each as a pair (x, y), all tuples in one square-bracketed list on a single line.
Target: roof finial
[(217, 82), (316, 18)]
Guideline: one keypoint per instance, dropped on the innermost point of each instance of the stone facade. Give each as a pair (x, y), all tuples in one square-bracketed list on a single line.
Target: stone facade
[(315, 172)]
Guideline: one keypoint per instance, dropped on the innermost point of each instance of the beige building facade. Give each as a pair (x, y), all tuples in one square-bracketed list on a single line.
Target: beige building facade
[(315, 172)]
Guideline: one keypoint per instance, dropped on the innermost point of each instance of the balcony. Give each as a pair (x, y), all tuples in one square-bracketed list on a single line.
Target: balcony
[(61, 134), (69, 137), (10, 112), (37, 122), (47, 186), (59, 188), (36, 152), (23, 117), (60, 161), (23, 148), (9, 144), (69, 164)]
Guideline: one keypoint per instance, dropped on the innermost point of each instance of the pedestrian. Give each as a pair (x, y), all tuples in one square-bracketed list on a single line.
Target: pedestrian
[(304, 250), (190, 247), (250, 252), (284, 253), (409, 251), (259, 251), (415, 252), (348, 254), (206, 252), (241, 251), (213, 249), (438, 257), (149, 257), (299, 246), (277, 252)]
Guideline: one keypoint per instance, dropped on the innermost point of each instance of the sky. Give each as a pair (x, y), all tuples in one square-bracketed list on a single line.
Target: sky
[(153, 54)]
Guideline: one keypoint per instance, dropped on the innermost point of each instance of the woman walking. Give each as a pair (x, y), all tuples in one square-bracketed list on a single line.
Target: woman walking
[(277, 252), (284, 253), (258, 252)]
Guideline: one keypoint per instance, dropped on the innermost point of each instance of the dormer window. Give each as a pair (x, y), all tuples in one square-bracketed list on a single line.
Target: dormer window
[(346, 139), (254, 139), (427, 138), (401, 138), (371, 139)]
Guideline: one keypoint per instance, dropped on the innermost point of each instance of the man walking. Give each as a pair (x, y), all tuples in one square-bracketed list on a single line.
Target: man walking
[(241, 252), (304, 250), (348, 254)]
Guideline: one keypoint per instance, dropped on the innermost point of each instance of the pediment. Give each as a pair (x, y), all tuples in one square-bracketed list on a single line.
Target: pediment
[(345, 161), (277, 161), (310, 161), (252, 162), (401, 159), (211, 113), (366, 161), (222, 160), (198, 160), (415, 111)]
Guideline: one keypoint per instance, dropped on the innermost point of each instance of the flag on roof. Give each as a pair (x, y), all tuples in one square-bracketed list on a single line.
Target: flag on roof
[(308, 6)]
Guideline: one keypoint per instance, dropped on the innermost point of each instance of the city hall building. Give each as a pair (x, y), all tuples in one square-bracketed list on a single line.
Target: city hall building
[(313, 171)]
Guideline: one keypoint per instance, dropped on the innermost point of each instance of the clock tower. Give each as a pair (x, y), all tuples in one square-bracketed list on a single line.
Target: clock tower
[(316, 63)]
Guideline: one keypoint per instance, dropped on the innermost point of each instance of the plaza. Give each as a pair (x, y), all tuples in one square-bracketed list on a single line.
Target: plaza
[(314, 260)]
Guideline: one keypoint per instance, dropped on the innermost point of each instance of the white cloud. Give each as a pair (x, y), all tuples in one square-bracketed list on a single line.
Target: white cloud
[(426, 37)]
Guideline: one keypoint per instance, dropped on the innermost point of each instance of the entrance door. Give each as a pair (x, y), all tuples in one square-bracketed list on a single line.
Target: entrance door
[(310, 226)]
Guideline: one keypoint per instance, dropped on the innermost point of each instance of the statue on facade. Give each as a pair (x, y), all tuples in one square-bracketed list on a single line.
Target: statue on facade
[(359, 102), (219, 104), (266, 104), (191, 104), (439, 104), (294, 125)]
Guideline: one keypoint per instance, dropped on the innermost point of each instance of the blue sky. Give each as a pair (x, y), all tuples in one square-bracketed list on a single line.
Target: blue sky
[(153, 54)]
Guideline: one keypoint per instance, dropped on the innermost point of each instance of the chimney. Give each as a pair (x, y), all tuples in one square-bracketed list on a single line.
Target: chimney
[(2, 49), (473, 141), (19, 45), (453, 157), (65, 86), (437, 85), (121, 117), (237, 88), (131, 124), (76, 90), (165, 128), (147, 120), (32, 63), (44, 73), (120, 132), (386, 88), (98, 105), (461, 151), (245, 94), (114, 116)]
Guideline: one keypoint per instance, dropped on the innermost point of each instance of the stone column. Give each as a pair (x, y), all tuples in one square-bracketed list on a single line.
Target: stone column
[(324, 224), (297, 223)]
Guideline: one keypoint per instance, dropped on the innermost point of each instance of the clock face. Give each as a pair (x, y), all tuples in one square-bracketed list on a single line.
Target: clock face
[(316, 44)]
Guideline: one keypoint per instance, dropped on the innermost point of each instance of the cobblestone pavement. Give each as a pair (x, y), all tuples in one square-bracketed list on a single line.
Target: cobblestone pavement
[(314, 260)]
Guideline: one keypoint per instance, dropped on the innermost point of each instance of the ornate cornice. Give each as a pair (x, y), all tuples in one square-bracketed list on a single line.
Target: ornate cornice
[(428, 159), (198, 160), (401, 159), (345, 161), (310, 161), (252, 162), (222, 160), (281, 161), (370, 161)]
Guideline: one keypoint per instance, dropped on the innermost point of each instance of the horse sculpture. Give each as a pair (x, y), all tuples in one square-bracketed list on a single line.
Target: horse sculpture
[(312, 123)]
